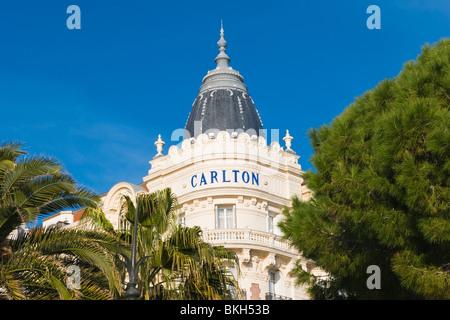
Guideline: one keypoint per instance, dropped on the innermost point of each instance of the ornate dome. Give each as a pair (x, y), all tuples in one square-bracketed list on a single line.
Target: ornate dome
[(223, 103)]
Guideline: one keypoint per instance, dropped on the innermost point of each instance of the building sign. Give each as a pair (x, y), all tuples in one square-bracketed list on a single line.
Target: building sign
[(225, 176)]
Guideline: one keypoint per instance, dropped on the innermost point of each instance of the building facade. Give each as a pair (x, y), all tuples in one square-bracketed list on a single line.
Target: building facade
[(231, 182)]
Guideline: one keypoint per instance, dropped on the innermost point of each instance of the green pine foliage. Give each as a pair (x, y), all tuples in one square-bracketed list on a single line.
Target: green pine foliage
[(381, 189)]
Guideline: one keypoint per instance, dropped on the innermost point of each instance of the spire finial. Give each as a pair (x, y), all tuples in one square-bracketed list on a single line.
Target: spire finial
[(222, 58)]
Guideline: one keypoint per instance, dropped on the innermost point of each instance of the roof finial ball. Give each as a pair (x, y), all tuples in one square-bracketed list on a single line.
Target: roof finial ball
[(159, 146), (288, 139)]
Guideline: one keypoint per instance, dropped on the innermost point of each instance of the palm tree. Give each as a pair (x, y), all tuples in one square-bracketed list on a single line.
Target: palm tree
[(34, 265), (38, 267), (180, 264), (33, 187)]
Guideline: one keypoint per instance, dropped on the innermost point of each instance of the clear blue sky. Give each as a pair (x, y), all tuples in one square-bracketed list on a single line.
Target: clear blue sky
[(97, 98)]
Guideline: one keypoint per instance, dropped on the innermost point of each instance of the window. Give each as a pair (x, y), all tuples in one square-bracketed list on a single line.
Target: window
[(274, 282), (275, 287), (225, 217), (182, 220), (272, 224), (123, 223), (231, 271)]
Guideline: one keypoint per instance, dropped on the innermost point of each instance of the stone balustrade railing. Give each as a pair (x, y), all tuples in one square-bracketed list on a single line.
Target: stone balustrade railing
[(217, 236)]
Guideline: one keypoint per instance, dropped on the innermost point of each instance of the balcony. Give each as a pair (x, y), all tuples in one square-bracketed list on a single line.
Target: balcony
[(246, 236), (273, 296)]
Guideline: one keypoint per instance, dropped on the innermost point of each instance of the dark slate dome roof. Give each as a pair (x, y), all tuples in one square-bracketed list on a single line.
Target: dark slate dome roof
[(221, 110), (223, 103)]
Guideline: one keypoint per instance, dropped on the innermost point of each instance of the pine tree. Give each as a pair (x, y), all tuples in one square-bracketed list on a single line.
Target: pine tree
[(381, 189)]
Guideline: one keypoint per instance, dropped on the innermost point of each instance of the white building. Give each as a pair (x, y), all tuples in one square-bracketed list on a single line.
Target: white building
[(231, 183)]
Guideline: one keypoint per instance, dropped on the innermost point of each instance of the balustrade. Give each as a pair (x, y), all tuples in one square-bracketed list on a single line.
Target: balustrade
[(273, 296), (223, 235)]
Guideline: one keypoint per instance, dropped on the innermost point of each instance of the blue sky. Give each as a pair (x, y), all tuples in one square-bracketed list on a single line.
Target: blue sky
[(97, 98)]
